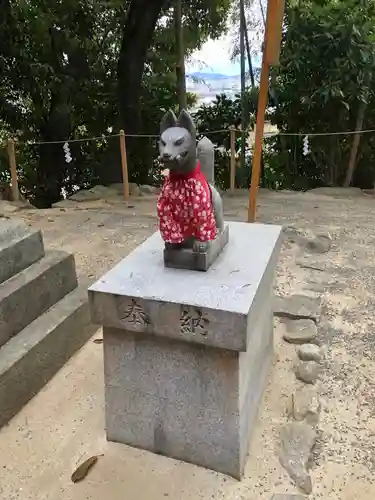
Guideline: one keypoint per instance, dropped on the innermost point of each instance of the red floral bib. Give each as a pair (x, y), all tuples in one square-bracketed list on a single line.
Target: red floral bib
[(185, 208)]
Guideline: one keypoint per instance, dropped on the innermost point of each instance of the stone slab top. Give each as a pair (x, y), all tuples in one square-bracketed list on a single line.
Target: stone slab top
[(11, 229), (219, 307), (229, 285)]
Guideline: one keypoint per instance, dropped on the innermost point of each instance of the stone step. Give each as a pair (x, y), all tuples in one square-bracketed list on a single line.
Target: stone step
[(19, 247), (31, 292), (31, 358)]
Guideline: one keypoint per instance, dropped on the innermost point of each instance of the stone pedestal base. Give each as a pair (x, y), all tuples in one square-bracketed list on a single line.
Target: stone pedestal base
[(185, 258), (186, 354)]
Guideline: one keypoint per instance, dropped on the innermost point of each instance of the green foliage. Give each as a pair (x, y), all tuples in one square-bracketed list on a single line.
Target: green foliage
[(327, 62), (58, 81), (222, 114), (325, 76), (57, 69), (201, 19)]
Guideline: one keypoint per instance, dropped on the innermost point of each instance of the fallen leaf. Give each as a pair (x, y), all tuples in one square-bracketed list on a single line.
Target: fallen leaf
[(83, 469), (98, 341)]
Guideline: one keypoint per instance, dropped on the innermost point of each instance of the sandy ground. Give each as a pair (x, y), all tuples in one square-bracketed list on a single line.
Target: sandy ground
[(64, 423)]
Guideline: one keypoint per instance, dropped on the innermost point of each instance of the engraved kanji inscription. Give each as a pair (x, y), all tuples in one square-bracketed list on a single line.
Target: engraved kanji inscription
[(193, 321), (134, 314)]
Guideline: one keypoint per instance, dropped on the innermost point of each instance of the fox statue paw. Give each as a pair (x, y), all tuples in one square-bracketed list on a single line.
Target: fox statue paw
[(200, 246)]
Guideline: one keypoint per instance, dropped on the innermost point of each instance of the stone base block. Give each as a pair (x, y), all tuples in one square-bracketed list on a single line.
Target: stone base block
[(19, 247), (187, 401), (31, 292), (186, 354), (30, 359), (185, 258)]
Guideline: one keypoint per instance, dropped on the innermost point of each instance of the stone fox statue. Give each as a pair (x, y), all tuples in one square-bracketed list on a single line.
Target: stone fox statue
[(190, 208)]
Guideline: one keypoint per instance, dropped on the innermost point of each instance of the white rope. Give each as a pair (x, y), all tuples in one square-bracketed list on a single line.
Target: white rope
[(154, 136)]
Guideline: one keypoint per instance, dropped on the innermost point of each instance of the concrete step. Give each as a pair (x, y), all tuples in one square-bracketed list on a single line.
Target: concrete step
[(31, 358), (31, 292), (19, 247)]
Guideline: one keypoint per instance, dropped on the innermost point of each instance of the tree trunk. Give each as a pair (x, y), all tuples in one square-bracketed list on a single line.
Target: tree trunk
[(330, 172), (141, 19), (279, 124), (243, 83), (180, 56), (52, 169), (251, 70), (49, 175), (355, 144)]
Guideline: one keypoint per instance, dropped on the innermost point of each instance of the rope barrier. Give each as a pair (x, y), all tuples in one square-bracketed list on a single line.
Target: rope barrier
[(103, 137), (83, 139), (315, 134), (232, 131), (211, 132)]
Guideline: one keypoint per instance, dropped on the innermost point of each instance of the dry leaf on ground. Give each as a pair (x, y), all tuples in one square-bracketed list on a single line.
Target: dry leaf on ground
[(83, 469)]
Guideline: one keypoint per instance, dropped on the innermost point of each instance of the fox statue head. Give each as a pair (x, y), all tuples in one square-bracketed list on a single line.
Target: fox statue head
[(177, 145)]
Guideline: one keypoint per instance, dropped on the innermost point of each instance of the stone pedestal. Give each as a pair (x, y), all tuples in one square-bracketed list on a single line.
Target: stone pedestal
[(186, 258), (186, 354), (44, 314)]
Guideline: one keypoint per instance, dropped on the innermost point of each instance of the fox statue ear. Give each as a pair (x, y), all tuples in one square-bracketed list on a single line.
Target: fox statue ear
[(185, 121), (169, 120)]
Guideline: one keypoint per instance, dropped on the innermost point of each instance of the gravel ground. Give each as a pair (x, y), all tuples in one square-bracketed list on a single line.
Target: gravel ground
[(101, 233)]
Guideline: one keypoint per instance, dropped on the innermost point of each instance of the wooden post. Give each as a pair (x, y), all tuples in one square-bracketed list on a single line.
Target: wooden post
[(232, 159), (124, 165), (270, 56), (274, 34), (13, 170), (180, 55)]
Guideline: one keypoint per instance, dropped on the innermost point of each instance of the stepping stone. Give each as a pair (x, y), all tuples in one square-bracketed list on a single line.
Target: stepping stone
[(308, 371), (298, 307), (310, 352), (306, 405), (300, 331), (321, 243), (7, 207), (297, 442)]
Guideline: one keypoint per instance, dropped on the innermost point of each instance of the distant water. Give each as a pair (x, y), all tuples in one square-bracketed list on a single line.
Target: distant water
[(207, 85)]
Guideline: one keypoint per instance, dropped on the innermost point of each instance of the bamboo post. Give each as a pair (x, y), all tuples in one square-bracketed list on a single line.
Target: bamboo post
[(13, 170), (275, 10), (124, 165), (232, 159)]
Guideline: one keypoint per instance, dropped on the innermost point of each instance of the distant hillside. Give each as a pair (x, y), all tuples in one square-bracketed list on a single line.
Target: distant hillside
[(200, 75), (206, 86)]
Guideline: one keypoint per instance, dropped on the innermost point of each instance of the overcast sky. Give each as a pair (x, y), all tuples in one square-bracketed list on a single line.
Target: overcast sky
[(214, 57), (215, 54)]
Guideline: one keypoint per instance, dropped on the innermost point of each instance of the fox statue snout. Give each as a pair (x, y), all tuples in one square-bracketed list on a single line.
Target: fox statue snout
[(173, 160), (177, 144)]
